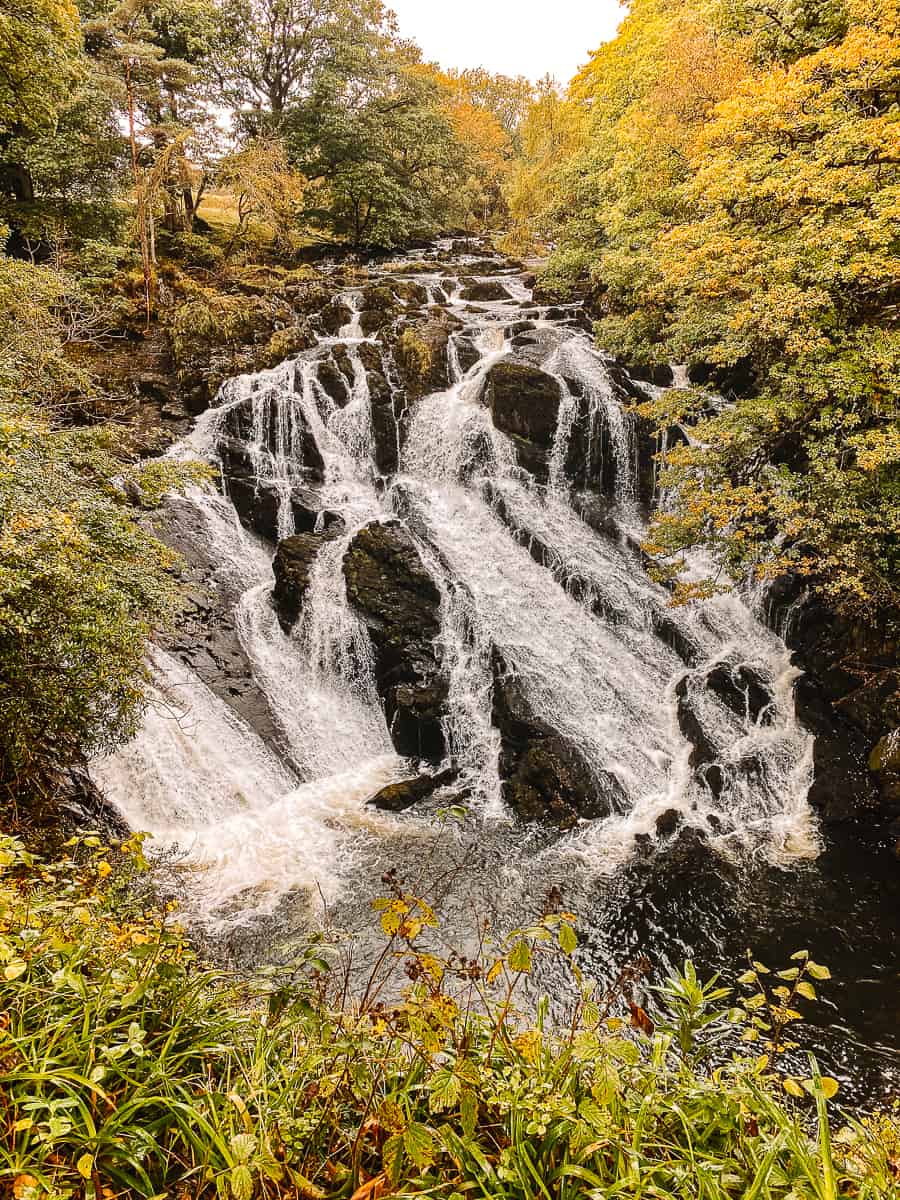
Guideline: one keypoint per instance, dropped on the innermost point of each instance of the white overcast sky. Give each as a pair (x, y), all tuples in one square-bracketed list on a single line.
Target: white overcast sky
[(514, 37)]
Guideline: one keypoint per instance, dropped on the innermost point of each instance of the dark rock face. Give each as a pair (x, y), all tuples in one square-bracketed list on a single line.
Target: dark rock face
[(524, 404), (333, 382), (668, 822), (398, 797), (545, 777), (690, 722), (744, 690), (848, 697), (257, 502), (292, 566), (388, 412), (204, 637), (843, 787), (486, 291), (421, 355), (399, 602), (745, 695), (334, 318), (238, 425)]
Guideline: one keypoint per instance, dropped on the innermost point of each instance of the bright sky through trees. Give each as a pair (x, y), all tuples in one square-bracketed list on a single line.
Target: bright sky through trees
[(515, 37)]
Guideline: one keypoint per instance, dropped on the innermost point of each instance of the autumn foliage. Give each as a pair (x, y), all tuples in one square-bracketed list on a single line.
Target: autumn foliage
[(733, 199)]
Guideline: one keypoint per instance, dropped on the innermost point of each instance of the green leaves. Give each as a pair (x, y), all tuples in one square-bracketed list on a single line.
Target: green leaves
[(568, 939)]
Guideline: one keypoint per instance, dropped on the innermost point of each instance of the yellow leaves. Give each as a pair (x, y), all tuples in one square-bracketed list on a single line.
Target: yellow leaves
[(529, 1045), (404, 916)]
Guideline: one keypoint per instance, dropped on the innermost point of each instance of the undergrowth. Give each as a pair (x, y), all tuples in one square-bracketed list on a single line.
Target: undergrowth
[(127, 1067)]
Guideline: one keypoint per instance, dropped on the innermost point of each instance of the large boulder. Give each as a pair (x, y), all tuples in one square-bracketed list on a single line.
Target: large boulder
[(293, 566), (524, 403), (545, 777), (399, 603), (485, 291), (421, 354)]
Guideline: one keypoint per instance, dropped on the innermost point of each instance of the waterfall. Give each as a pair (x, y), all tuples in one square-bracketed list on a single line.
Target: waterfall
[(600, 658)]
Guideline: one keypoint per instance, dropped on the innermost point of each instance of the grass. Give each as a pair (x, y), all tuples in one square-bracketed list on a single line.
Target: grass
[(127, 1068)]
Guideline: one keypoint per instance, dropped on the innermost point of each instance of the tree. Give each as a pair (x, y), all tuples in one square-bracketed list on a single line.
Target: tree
[(265, 186), (732, 194), (276, 50), (376, 146), (547, 138), (82, 586), (39, 48)]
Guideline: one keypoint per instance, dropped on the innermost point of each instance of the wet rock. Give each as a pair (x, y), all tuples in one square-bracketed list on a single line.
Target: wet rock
[(203, 635), (668, 822), (399, 602), (745, 690), (388, 411), (467, 352), (421, 355), (693, 727), (398, 797), (659, 374), (524, 404), (485, 291), (293, 565), (849, 697), (257, 501), (335, 317), (240, 426), (844, 788), (409, 292), (544, 776), (333, 382), (669, 631)]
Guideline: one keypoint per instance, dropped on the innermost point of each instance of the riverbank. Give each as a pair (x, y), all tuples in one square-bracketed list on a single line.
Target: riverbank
[(127, 1065)]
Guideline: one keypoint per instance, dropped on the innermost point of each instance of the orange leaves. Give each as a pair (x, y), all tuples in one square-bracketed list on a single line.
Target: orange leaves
[(375, 1189)]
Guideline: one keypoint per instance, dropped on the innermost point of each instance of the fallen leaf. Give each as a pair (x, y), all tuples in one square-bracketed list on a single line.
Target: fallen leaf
[(375, 1189)]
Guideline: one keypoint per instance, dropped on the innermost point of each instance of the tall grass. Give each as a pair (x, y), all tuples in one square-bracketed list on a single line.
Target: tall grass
[(126, 1067)]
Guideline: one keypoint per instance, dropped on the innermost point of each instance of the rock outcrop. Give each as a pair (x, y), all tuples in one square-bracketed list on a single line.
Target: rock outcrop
[(848, 697), (399, 603), (485, 291), (421, 354), (524, 403), (293, 565), (545, 777)]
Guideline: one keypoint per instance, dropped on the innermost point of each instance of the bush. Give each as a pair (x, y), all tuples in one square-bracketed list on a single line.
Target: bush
[(194, 250), (82, 586), (124, 1065)]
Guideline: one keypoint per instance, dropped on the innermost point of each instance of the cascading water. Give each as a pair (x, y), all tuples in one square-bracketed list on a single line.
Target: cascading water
[(523, 571)]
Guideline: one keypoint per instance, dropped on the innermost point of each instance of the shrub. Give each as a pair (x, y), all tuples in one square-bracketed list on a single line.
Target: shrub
[(126, 1066), (82, 585)]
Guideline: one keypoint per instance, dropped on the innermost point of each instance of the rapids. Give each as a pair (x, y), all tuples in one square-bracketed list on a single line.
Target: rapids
[(268, 829)]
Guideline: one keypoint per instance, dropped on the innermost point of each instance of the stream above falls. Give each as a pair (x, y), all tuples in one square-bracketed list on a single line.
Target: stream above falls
[(419, 586)]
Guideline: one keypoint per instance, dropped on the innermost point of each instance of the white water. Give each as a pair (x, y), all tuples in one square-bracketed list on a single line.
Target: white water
[(577, 628)]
